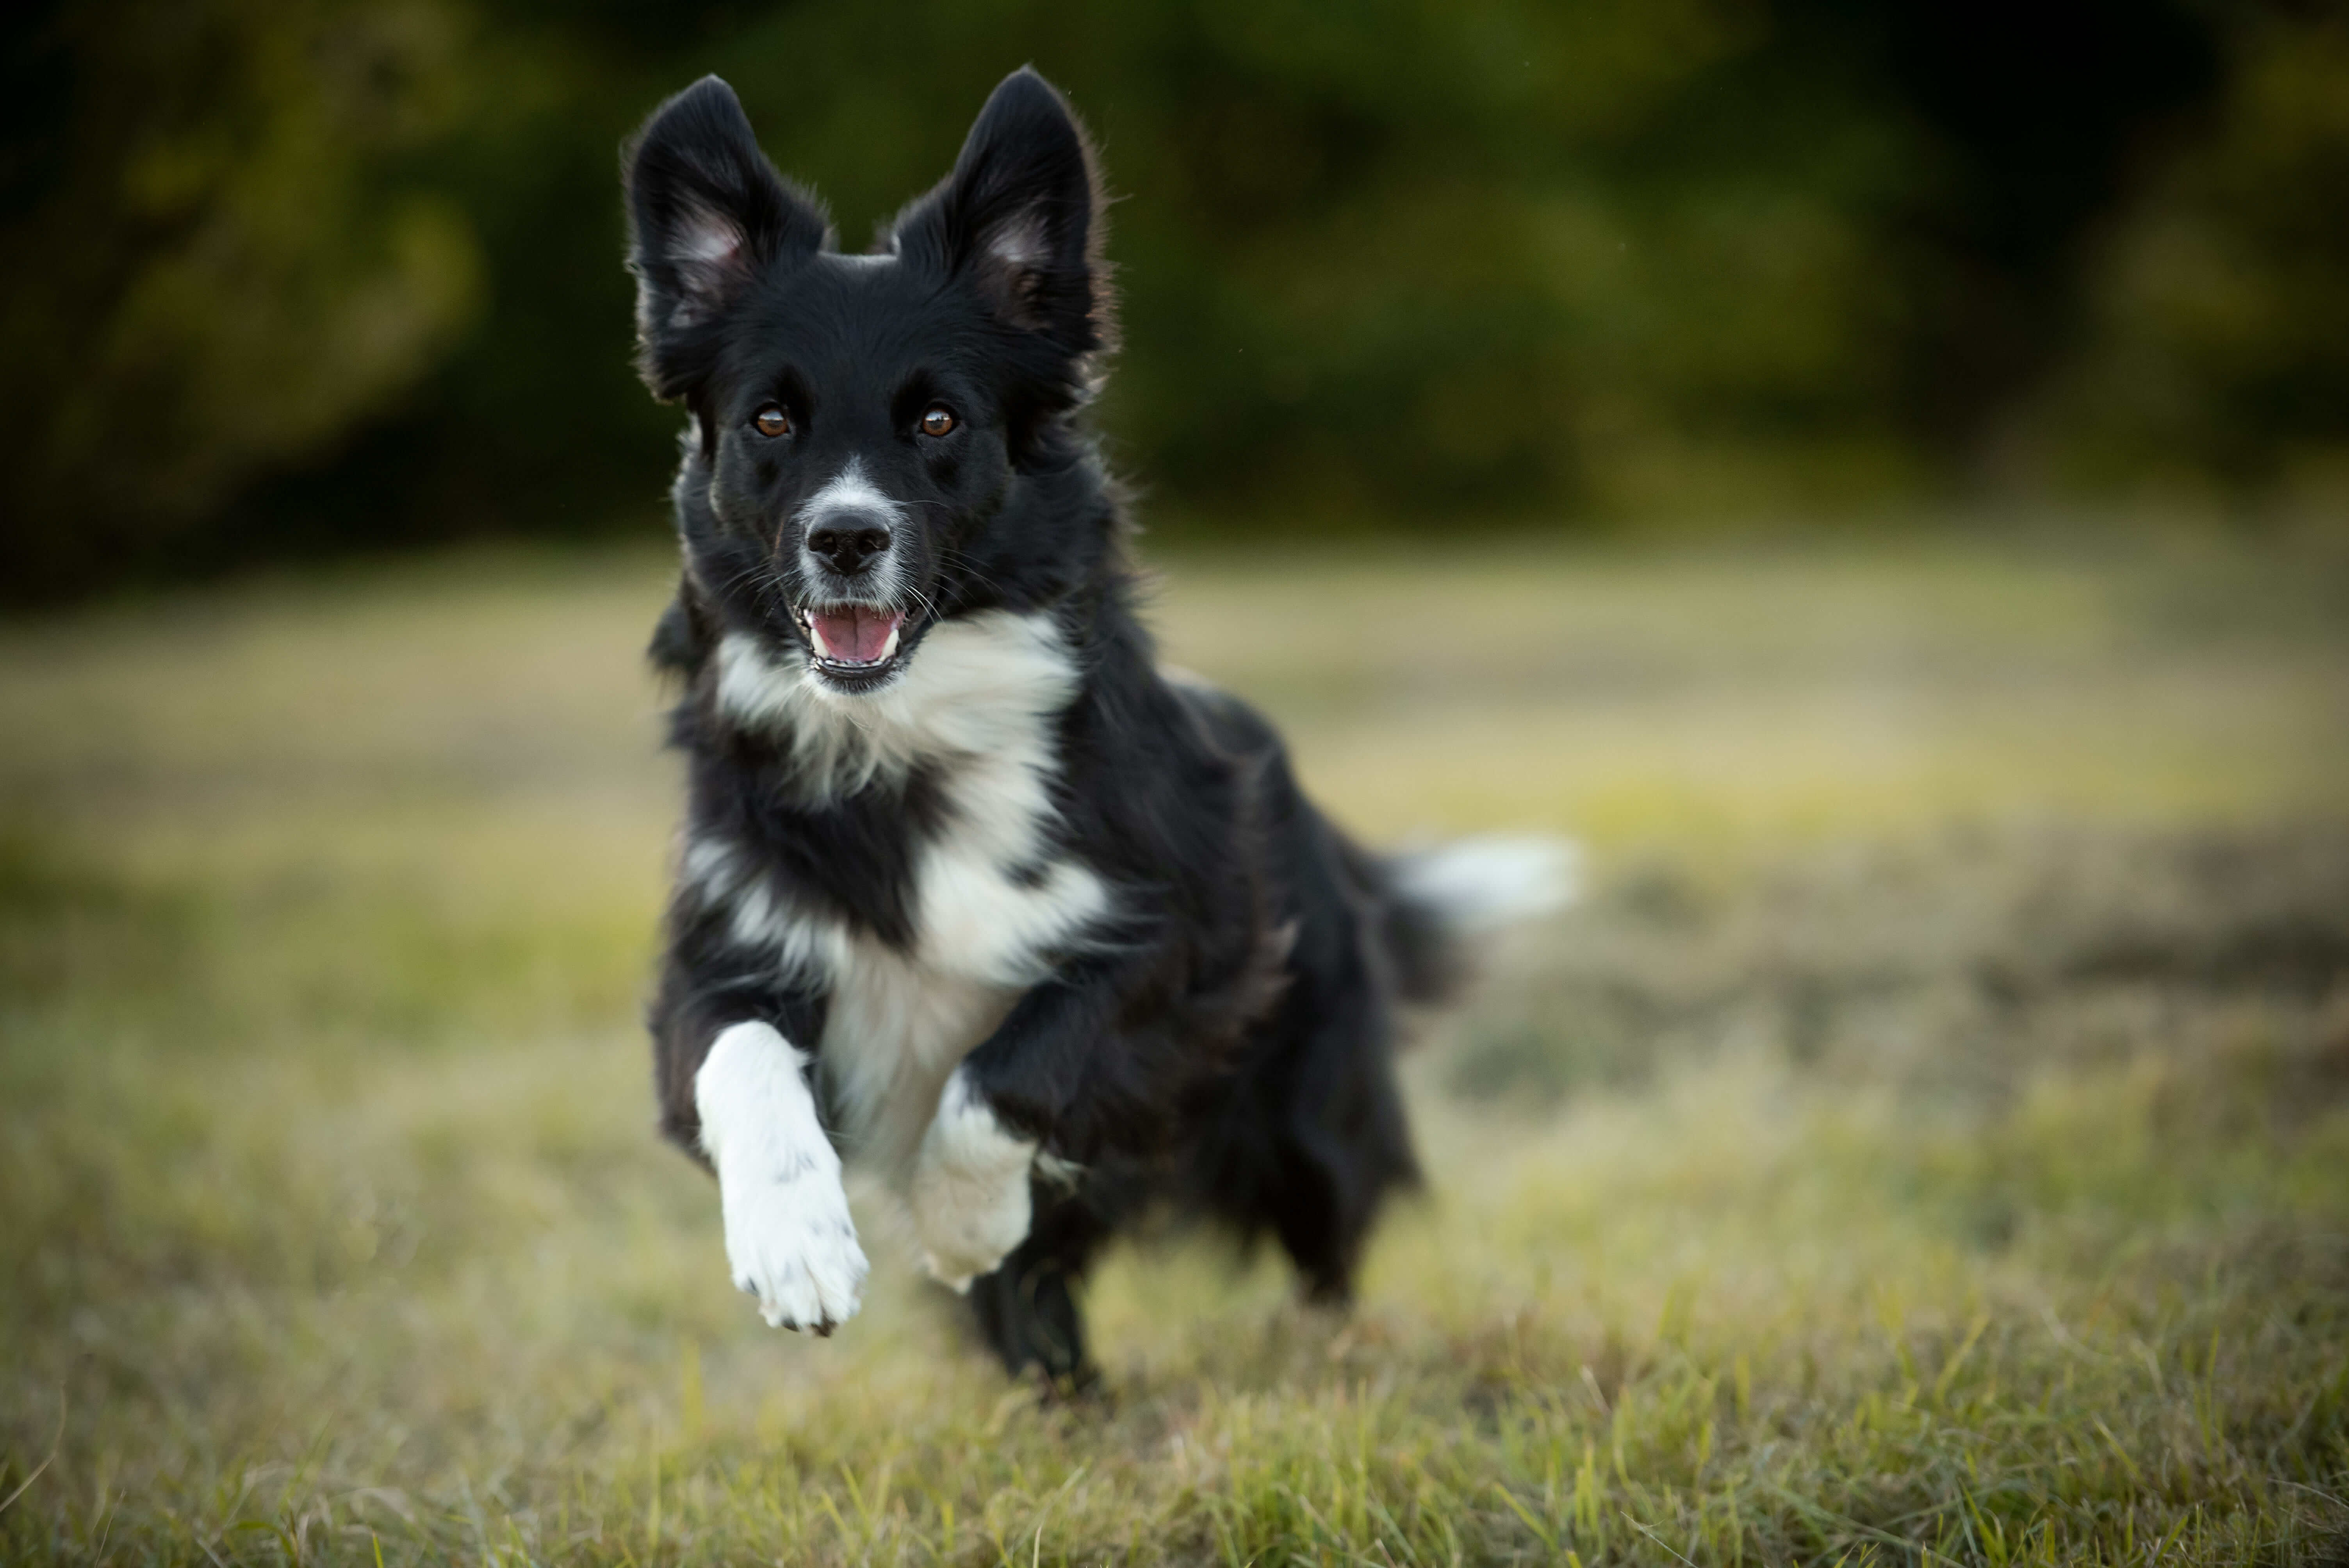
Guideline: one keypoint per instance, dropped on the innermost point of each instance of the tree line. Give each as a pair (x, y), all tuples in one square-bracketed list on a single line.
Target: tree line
[(286, 276)]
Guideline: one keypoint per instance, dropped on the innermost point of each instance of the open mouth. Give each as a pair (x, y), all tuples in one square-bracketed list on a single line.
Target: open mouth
[(853, 645)]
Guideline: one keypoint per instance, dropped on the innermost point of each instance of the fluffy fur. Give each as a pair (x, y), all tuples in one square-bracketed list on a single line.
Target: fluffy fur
[(969, 887)]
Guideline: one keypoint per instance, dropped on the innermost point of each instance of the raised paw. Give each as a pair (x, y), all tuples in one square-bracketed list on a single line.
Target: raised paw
[(789, 1238), (970, 1192), (792, 1243)]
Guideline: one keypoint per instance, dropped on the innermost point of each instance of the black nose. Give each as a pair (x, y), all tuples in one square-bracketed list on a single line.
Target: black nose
[(846, 541)]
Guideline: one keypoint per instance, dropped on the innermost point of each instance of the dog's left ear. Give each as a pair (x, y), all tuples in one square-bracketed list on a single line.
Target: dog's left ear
[(1020, 217)]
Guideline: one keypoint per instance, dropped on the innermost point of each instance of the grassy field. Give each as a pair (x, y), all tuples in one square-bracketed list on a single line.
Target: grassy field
[(1929, 1142)]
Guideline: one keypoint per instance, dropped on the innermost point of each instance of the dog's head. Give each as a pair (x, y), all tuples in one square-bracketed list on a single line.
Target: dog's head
[(866, 428)]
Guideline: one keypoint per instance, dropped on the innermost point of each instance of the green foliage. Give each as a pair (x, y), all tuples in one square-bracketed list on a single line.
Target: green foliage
[(2223, 346), (335, 274), (217, 268)]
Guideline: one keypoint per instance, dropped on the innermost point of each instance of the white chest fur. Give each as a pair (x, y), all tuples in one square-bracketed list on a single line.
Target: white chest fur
[(978, 701)]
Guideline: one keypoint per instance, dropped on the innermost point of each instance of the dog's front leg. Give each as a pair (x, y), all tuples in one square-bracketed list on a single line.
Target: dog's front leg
[(970, 1191), (969, 1195), (789, 1238)]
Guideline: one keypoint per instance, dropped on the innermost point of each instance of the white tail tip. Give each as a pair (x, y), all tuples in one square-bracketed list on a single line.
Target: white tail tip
[(1493, 880)]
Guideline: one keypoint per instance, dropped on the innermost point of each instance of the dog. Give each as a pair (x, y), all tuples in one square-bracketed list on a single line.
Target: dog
[(970, 889)]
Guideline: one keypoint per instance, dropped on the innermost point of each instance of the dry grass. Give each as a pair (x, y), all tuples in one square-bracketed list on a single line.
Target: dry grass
[(1929, 1142)]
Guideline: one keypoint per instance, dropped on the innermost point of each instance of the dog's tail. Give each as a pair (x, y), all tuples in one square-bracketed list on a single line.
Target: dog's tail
[(1441, 901)]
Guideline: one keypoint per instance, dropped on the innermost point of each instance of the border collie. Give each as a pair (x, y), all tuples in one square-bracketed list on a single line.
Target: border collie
[(971, 888)]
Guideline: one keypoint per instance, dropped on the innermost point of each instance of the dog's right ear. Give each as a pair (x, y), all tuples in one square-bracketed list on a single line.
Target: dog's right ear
[(706, 212)]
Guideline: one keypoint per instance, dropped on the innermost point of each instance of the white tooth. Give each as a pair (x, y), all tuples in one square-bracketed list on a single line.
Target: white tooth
[(815, 636), (888, 647)]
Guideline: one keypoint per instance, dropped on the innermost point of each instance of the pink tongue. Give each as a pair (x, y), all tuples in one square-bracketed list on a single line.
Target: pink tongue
[(855, 636)]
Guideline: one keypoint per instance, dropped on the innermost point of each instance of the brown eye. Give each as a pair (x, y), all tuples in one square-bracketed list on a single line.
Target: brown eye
[(772, 421), (937, 419)]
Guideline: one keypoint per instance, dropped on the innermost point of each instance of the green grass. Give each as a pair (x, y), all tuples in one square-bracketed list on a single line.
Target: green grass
[(1929, 1141)]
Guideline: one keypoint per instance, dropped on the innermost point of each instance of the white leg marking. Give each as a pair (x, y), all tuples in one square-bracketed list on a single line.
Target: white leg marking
[(970, 1187), (789, 1238)]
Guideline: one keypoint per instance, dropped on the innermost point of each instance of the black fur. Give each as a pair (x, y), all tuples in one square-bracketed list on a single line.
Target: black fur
[(1224, 1043)]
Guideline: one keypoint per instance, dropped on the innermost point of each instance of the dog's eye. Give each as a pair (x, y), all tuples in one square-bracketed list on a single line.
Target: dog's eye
[(772, 421), (937, 419)]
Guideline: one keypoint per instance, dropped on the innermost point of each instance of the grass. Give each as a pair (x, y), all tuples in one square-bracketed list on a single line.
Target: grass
[(1929, 1141)]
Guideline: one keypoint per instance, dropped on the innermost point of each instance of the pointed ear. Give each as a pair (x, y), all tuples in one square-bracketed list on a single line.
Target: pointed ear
[(706, 212), (1022, 217)]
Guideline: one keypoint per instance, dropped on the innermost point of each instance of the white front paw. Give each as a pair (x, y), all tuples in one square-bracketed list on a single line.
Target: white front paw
[(789, 1238), (969, 1195), (790, 1243)]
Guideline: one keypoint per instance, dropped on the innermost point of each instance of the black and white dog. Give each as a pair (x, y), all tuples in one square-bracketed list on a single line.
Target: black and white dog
[(970, 888)]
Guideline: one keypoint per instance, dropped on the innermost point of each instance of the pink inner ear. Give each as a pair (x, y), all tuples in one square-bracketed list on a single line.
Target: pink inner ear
[(707, 249), (1012, 266), (707, 237), (1021, 242)]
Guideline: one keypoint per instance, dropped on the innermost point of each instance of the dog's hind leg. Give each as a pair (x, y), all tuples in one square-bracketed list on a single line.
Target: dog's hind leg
[(1312, 1135), (1340, 1140), (1329, 1182), (1027, 1309)]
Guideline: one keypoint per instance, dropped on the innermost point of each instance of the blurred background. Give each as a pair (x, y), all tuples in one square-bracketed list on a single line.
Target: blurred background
[(1875, 471), (298, 276)]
